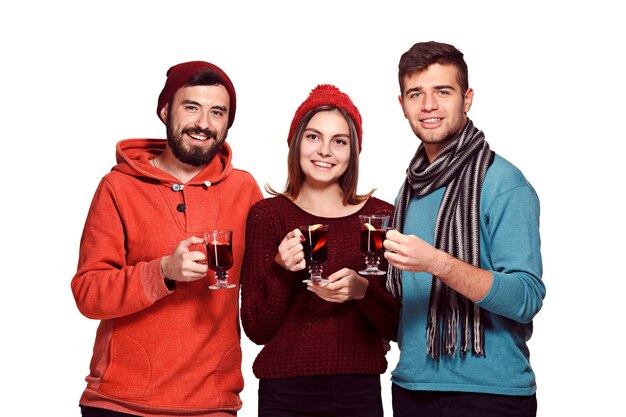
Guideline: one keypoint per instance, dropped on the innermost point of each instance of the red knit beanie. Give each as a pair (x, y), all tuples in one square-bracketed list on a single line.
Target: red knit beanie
[(327, 95), (179, 75)]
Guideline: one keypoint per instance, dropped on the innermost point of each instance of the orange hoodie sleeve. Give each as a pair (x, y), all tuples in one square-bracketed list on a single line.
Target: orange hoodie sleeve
[(105, 286)]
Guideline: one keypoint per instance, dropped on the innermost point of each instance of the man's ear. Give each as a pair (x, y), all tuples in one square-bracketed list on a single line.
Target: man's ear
[(402, 105), (163, 112), (467, 100)]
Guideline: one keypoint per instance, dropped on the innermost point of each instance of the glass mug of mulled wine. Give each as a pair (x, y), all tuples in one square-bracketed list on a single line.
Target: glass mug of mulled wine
[(219, 247), (315, 250), (372, 234)]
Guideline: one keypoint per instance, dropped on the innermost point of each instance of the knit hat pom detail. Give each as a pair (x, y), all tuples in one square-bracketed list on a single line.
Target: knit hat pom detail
[(327, 95)]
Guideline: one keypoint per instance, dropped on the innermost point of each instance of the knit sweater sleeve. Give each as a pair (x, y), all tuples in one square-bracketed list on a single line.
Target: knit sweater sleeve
[(265, 286), (513, 243), (104, 286)]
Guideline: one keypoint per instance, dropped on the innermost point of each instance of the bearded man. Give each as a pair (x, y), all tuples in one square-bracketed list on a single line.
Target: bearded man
[(166, 344)]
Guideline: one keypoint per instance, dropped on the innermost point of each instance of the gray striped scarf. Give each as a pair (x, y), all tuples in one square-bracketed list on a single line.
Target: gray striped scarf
[(461, 167)]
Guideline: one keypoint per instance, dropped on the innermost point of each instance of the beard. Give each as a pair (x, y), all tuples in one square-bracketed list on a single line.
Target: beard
[(190, 154)]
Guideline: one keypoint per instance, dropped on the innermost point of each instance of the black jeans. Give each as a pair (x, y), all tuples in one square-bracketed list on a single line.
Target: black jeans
[(407, 403), (321, 396)]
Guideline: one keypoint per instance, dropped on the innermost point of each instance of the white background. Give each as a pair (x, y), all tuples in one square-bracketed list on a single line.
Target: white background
[(76, 77)]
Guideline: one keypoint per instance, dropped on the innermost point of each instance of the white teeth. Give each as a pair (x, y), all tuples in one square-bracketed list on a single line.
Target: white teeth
[(202, 138), (433, 120), (322, 164)]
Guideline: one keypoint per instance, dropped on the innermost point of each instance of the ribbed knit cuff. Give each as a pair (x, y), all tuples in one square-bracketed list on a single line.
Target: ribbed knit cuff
[(153, 282)]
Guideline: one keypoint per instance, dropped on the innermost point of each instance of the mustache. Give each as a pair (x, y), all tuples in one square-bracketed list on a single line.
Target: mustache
[(211, 134)]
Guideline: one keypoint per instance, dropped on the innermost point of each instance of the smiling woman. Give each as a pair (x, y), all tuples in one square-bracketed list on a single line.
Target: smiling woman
[(329, 332), (325, 149)]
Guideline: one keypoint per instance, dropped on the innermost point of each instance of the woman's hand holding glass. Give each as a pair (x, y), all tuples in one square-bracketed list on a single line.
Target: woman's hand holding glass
[(290, 254), (342, 286)]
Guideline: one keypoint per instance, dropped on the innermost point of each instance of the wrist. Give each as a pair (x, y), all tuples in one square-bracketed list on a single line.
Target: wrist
[(442, 264), (169, 283), (163, 267), (365, 283), (279, 262)]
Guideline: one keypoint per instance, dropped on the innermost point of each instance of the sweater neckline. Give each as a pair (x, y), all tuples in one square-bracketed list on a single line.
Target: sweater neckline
[(331, 219)]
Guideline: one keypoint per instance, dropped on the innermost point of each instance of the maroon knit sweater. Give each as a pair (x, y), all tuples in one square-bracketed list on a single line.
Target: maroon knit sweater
[(303, 334)]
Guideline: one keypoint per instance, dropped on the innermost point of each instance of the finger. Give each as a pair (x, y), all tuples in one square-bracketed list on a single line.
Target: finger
[(290, 247), (194, 267), (395, 247), (292, 257), (191, 240), (197, 256), (334, 277), (331, 287), (341, 274), (395, 237), (401, 262), (392, 258), (322, 292), (298, 234), (286, 247), (300, 265), (294, 234), (296, 249)]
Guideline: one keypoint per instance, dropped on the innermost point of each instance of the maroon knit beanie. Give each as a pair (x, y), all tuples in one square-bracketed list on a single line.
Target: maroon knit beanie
[(327, 95), (179, 75)]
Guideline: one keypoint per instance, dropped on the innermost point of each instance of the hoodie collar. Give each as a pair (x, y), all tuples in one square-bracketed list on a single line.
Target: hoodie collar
[(134, 158)]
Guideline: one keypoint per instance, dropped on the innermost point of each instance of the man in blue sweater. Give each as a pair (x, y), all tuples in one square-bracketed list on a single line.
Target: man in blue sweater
[(464, 258)]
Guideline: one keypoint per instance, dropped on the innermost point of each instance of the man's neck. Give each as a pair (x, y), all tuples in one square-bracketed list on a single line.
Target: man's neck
[(167, 162)]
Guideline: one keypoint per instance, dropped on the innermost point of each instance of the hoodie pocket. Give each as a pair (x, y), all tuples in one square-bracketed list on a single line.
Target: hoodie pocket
[(129, 370)]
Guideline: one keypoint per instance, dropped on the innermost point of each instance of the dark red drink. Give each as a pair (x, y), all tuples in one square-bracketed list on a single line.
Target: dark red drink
[(372, 242), (220, 256), (315, 249)]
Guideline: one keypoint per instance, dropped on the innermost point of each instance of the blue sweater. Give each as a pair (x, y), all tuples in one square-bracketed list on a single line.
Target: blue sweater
[(510, 249)]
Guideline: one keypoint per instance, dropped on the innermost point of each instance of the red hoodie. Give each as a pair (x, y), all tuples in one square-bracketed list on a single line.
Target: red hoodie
[(159, 352)]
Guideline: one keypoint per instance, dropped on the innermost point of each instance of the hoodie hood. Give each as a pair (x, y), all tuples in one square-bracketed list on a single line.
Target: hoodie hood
[(134, 158)]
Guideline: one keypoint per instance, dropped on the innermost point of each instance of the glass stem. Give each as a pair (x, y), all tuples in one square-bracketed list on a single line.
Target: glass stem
[(316, 272), (372, 262)]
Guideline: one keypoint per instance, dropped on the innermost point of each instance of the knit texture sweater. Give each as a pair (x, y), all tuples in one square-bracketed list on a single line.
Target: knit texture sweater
[(510, 250), (159, 352), (302, 334)]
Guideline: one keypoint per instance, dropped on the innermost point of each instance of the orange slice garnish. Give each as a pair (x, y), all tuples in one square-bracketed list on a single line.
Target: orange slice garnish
[(369, 226), (320, 244), (315, 227)]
